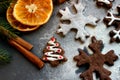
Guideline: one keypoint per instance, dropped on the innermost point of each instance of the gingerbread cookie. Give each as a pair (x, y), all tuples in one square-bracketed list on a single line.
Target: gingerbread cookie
[(78, 21), (104, 3), (115, 34), (58, 1), (113, 20), (118, 8), (95, 61), (53, 53)]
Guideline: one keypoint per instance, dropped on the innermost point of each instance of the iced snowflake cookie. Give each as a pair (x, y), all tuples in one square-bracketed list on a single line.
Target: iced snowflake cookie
[(115, 34), (113, 20), (95, 61), (78, 21), (118, 8), (53, 53), (58, 1), (104, 3)]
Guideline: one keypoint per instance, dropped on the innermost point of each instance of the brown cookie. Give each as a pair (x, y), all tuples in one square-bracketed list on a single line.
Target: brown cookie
[(59, 1), (95, 61), (118, 8), (104, 3), (115, 34), (53, 53), (111, 19)]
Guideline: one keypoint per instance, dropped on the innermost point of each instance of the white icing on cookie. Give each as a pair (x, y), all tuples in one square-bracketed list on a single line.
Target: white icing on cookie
[(77, 21), (118, 6), (112, 18), (52, 57), (53, 53), (104, 1), (117, 34), (52, 48)]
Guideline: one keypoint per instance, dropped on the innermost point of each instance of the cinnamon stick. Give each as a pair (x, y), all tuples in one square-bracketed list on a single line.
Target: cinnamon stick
[(29, 55), (23, 43), (9, 35)]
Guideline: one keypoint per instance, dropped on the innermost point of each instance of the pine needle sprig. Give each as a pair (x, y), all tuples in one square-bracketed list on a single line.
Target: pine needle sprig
[(7, 26), (4, 5), (6, 34), (6, 31), (4, 57)]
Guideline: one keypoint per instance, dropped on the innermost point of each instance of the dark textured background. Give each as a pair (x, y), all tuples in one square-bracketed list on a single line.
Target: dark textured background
[(21, 69)]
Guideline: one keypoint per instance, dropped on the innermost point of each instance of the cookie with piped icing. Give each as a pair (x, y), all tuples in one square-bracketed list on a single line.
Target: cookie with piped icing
[(104, 3), (115, 34), (113, 20), (53, 53)]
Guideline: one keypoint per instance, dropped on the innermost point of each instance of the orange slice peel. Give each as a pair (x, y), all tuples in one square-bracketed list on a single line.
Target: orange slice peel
[(28, 15), (16, 24), (33, 12)]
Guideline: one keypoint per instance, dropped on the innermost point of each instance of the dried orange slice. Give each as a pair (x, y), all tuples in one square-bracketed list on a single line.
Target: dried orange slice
[(16, 24), (33, 12)]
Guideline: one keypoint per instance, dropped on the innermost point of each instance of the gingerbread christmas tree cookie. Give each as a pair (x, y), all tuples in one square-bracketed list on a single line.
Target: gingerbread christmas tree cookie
[(95, 61), (53, 53)]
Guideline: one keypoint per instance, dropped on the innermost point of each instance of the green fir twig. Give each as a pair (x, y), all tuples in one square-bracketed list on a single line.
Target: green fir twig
[(6, 31), (6, 34), (4, 5), (7, 26), (4, 57)]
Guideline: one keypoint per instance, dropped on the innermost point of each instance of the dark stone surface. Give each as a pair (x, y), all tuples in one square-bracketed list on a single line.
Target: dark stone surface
[(21, 69)]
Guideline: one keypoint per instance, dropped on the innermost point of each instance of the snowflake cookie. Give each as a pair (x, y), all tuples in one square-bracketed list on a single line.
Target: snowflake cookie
[(58, 1), (118, 8), (53, 53), (78, 21), (113, 20), (95, 61), (105, 3), (115, 34)]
